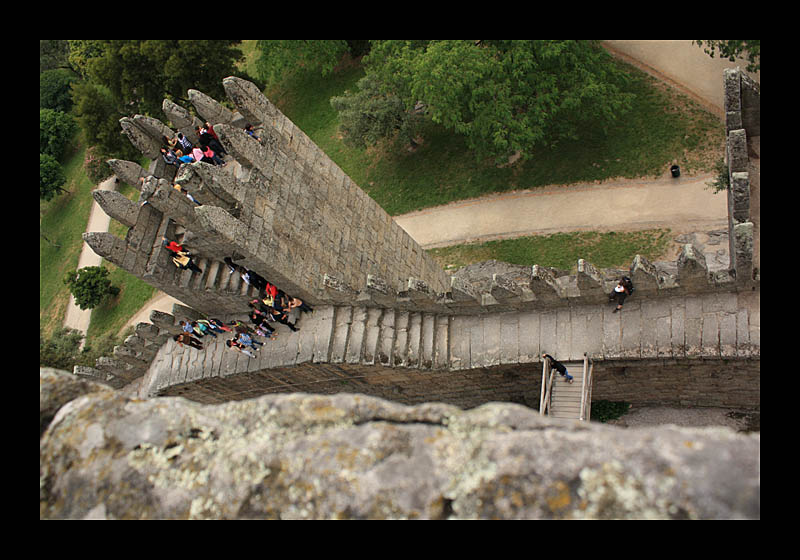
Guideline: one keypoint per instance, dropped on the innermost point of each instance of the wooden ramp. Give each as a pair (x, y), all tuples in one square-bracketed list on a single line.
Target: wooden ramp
[(561, 399)]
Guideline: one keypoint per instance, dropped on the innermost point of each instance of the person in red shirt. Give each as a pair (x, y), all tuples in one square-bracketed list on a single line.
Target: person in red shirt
[(174, 247)]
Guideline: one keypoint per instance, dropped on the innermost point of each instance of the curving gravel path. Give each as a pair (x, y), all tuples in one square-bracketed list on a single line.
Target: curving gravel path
[(644, 416)]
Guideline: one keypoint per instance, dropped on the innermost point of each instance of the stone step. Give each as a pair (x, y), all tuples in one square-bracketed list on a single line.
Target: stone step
[(343, 316), (356, 338), (372, 335), (213, 275), (386, 338), (399, 355), (414, 342), (427, 341)]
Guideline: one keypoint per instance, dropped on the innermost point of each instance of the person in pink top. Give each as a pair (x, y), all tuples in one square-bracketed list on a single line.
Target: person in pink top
[(197, 153)]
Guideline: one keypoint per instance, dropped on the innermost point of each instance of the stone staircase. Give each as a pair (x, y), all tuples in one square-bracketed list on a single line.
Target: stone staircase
[(331, 335), (390, 337)]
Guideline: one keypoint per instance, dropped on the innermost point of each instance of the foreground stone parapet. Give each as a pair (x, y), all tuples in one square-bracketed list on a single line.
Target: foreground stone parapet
[(350, 456)]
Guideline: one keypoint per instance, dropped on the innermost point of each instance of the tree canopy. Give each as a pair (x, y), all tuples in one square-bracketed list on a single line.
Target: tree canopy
[(504, 96), (140, 74), (367, 115), (278, 56), (51, 177), (90, 285), (55, 131)]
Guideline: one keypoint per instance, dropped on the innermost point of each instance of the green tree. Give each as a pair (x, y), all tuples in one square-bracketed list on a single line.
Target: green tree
[(53, 54), (81, 52), (140, 74), (56, 129), (734, 49), (54, 90), (279, 56), (368, 114), (51, 177), (90, 285), (97, 114), (505, 96), (61, 350)]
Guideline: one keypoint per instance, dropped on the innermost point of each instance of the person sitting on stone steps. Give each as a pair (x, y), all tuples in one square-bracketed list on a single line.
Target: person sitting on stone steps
[(203, 328), (623, 289), (181, 255), (263, 305), (287, 303), (247, 340), (184, 261), (239, 347), (261, 321), (186, 338), (559, 367), (218, 326)]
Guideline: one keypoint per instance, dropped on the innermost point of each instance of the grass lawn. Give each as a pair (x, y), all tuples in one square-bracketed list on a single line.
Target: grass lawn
[(663, 127), (560, 250), (63, 221)]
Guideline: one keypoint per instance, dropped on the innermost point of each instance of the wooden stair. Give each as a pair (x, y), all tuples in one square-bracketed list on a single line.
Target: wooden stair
[(565, 400)]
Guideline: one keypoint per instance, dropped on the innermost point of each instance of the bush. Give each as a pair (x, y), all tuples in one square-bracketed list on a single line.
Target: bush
[(368, 115), (56, 129), (54, 90), (722, 182), (96, 166), (603, 411), (60, 351), (51, 177), (90, 285)]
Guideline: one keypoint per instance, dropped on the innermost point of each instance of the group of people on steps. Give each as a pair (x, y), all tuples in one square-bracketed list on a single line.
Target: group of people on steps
[(179, 149), (272, 305)]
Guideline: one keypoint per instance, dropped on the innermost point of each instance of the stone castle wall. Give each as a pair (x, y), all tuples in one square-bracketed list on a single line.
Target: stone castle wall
[(285, 210), (743, 124)]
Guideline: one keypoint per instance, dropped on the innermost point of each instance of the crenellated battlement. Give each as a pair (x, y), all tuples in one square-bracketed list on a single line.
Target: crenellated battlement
[(282, 208)]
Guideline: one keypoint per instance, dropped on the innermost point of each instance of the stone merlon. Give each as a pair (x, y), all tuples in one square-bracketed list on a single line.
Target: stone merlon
[(249, 100), (117, 206), (210, 109)]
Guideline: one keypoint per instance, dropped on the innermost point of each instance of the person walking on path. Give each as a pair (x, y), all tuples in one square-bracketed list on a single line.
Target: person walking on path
[(559, 367), (186, 338)]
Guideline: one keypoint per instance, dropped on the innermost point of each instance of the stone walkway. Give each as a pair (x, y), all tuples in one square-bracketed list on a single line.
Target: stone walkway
[(710, 325)]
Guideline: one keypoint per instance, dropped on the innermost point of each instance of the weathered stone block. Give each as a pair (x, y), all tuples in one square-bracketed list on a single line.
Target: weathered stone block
[(692, 268), (543, 285), (644, 275), (210, 109), (739, 197), (738, 160)]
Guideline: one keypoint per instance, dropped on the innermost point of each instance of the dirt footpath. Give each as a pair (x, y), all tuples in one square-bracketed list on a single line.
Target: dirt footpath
[(645, 416)]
